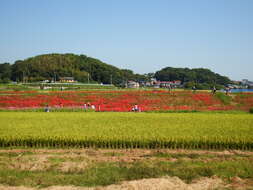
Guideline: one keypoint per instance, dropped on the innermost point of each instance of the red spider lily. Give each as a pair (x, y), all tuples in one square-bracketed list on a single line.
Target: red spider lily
[(123, 101)]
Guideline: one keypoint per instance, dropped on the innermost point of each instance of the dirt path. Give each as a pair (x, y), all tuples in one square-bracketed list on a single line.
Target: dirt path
[(165, 183), (69, 160)]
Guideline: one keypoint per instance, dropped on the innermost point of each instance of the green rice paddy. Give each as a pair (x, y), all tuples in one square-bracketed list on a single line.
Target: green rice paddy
[(127, 130)]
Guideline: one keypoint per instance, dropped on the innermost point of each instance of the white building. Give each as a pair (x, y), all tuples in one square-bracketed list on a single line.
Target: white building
[(133, 84)]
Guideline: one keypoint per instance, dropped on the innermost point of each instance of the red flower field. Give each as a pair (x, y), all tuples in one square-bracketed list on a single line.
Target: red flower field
[(123, 101)]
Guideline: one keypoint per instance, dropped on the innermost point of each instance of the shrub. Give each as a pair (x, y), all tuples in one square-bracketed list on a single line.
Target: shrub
[(251, 110)]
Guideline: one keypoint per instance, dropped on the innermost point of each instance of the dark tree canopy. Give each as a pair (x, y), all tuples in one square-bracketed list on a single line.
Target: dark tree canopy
[(54, 66), (5, 72), (199, 75), (84, 69)]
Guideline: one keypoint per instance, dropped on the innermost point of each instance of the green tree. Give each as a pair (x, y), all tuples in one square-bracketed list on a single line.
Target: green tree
[(201, 76), (5, 72)]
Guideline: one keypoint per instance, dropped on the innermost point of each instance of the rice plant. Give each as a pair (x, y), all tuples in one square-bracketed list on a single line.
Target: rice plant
[(126, 130)]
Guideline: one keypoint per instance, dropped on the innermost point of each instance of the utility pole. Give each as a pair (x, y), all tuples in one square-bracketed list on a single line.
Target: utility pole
[(23, 77), (54, 78), (88, 78)]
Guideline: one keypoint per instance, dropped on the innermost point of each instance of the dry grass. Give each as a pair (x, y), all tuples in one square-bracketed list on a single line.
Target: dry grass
[(164, 183), (79, 159), (74, 161)]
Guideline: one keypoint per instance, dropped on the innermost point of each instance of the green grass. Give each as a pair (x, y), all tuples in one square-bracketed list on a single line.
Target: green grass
[(74, 109), (225, 99), (18, 169), (111, 173), (51, 110), (127, 130)]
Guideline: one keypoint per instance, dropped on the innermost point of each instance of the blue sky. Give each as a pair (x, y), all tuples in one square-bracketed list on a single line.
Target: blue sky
[(142, 35)]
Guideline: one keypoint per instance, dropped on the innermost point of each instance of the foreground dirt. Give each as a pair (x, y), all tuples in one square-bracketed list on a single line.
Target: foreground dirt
[(128, 155), (165, 183), (67, 160), (80, 159)]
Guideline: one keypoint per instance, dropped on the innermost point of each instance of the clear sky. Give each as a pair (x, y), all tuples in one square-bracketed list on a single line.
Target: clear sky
[(142, 35)]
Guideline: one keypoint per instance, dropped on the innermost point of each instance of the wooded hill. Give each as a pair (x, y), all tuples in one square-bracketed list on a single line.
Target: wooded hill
[(200, 77), (84, 69), (53, 66)]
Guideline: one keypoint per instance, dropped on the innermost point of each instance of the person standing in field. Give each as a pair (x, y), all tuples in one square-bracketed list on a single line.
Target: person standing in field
[(136, 108), (227, 90), (93, 107), (214, 90), (47, 109), (194, 89), (169, 87)]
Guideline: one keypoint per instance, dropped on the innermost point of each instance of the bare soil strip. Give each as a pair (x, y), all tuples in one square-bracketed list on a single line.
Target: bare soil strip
[(164, 183), (77, 160)]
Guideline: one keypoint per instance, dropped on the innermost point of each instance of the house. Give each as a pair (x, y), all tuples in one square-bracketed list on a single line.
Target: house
[(45, 81), (167, 84), (246, 82), (156, 85), (147, 84), (133, 84), (67, 79), (177, 82)]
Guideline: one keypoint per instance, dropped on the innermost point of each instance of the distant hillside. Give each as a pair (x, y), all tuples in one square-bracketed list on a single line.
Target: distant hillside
[(84, 69), (81, 67), (192, 76)]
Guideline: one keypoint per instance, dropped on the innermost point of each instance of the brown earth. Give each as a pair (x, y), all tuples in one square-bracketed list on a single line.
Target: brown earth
[(67, 160), (165, 183), (79, 159), (128, 155)]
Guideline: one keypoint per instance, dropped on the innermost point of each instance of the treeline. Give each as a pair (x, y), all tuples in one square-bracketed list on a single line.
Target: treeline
[(53, 66), (200, 77), (5, 72), (86, 69)]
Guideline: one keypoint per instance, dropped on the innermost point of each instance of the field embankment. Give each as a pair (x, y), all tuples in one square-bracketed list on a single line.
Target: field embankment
[(83, 169)]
